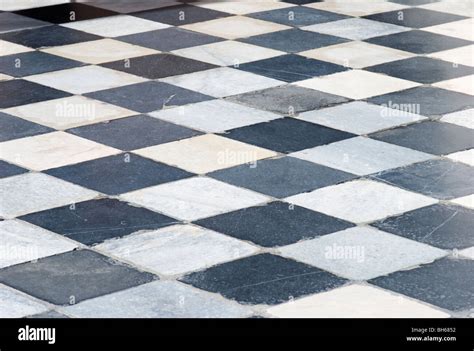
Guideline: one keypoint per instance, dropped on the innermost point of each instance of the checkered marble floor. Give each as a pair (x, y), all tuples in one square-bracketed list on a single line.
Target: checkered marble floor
[(236, 159)]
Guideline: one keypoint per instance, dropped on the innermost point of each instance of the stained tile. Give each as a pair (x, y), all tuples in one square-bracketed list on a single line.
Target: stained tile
[(99, 51), (94, 221), (42, 192), (51, 150), (159, 299), (359, 117), (355, 28), (281, 177), (29, 63), (463, 85), (18, 305), (419, 42), (214, 116), (149, 96), (463, 118), (275, 224), (8, 48), (133, 132), (415, 17), (47, 36), (291, 68), (446, 227), (15, 128), (22, 242), (427, 101), (194, 198), (362, 253), (422, 70), (181, 15), (288, 99), (293, 40), (431, 137), (10, 22), (446, 283), (118, 174), (177, 249), (205, 153), (365, 200), (357, 84), (235, 27), (263, 279), (287, 135), (355, 301), (8, 170), (76, 276), (227, 53), (356, 54), (441, 179), (69, 112), (297, 16), (20, 92), (223, 81), (169, 39), (362, 156), (115, 26), (159, 66)]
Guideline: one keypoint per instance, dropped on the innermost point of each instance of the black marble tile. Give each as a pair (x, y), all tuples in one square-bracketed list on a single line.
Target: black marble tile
[(148, 96), (263, 279), (291, 68), (422, 70), (72, 277), (10, 22), (287, 135), (21, 92), (12, 127), (49, 315), (446, 227), (282, 177), (415, 2), (293, 40), (431, 137), (169, 39), (288, 100), (92, 222), (419, 42), (34, 62), (159, 66), (446, 283), (9, 170), (441, 179), (274, 224), (181, 15)]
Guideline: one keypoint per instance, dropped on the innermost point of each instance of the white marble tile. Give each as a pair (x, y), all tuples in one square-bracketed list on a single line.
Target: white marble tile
[(464, 118), (70, 112), (221, 82), (355, 28), (356, 8), (463, 55), (466, 157), (115, 26), (214, 116), (100, 51), (4, 77), (460, 29), (362, 156), (18, 305), (359, 117), (356, 54), (468, 253), (52, 150), (33, 192), (177, 249), (356, 301), (466, 201), (194, 198), (86, 79), (235, 27), (205, 153), (15, 5), (228, 53), (362, 253), (463, 85), (243, 7), (22, 242), (364, 200), (357, 84), (8, 48), (159, 299)]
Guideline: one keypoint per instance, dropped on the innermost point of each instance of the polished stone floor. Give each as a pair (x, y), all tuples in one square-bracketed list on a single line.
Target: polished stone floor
[(236, 159)]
